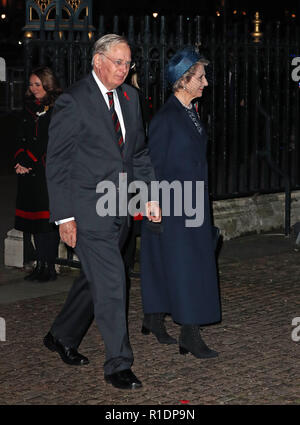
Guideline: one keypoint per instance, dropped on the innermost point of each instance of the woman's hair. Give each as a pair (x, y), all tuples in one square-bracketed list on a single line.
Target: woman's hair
[(50, 84), (186, 77), (134, 80)]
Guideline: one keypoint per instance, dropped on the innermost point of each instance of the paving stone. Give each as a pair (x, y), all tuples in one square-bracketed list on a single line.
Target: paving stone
[(258, 362)]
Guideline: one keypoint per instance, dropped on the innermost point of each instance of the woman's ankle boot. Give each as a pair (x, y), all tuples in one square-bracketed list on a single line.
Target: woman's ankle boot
[(155, 323), (49, 273), (190, 341), (36, 272), (52, 271)]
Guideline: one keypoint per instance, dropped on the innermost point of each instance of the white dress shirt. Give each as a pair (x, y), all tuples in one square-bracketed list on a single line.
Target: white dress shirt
[(118, 110)]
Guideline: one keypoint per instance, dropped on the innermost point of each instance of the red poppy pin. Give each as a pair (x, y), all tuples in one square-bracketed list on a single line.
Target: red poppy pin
[(138, 217), (126, 95)]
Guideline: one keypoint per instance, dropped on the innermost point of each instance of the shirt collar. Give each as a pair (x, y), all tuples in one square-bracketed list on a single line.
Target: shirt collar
[(101, 86)]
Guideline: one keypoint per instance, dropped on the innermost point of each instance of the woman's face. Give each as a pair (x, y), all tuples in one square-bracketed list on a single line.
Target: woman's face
[(197, 83), (36, 87)]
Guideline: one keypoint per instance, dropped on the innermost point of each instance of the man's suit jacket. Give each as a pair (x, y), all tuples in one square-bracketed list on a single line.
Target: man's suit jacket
[(83, 151)]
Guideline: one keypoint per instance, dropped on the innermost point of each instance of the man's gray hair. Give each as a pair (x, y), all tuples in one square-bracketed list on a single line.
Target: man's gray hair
[(106, 42)]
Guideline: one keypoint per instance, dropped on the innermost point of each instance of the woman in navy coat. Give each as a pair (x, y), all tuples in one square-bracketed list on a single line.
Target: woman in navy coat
[(178, 266)]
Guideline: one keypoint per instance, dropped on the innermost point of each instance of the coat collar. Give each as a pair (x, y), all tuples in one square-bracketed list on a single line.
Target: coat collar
[(184, 114)]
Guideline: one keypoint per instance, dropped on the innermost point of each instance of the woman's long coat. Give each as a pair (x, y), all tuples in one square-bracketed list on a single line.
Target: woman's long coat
[(178, 267), (32, 203)]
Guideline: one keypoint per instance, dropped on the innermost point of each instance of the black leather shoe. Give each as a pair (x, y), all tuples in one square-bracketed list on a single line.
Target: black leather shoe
[(125, 380), (68, 354)]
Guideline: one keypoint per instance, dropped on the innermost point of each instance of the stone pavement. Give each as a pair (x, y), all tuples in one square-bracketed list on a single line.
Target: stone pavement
[(258, 361)]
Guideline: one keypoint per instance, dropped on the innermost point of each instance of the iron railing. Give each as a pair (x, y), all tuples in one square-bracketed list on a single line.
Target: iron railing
[(245, 71)]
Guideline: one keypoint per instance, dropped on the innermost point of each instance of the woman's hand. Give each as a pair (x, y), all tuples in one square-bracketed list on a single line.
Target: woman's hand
[(153, 211), (22, 170)]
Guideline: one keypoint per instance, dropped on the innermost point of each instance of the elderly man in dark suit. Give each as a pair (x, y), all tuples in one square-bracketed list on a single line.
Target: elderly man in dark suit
[(96, 135)]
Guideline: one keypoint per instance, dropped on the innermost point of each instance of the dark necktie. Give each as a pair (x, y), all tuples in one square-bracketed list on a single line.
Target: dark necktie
[(116, 121)]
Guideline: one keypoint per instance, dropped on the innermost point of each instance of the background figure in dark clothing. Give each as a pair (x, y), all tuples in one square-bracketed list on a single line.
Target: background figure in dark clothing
[(129, 250), (29, 252), (145, 109), (32, 204)]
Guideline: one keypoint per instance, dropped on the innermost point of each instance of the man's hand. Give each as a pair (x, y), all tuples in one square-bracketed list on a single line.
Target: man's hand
[(68, 233), (153, 211)]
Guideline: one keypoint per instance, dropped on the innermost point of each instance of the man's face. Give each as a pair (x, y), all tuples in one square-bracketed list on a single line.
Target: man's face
[(112, 67)]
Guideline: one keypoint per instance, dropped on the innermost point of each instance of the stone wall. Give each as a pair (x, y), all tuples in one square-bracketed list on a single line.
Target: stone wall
[(256, 214)]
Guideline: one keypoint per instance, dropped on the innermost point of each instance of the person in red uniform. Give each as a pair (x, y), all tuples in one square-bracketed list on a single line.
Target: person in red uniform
[(32, 204)]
